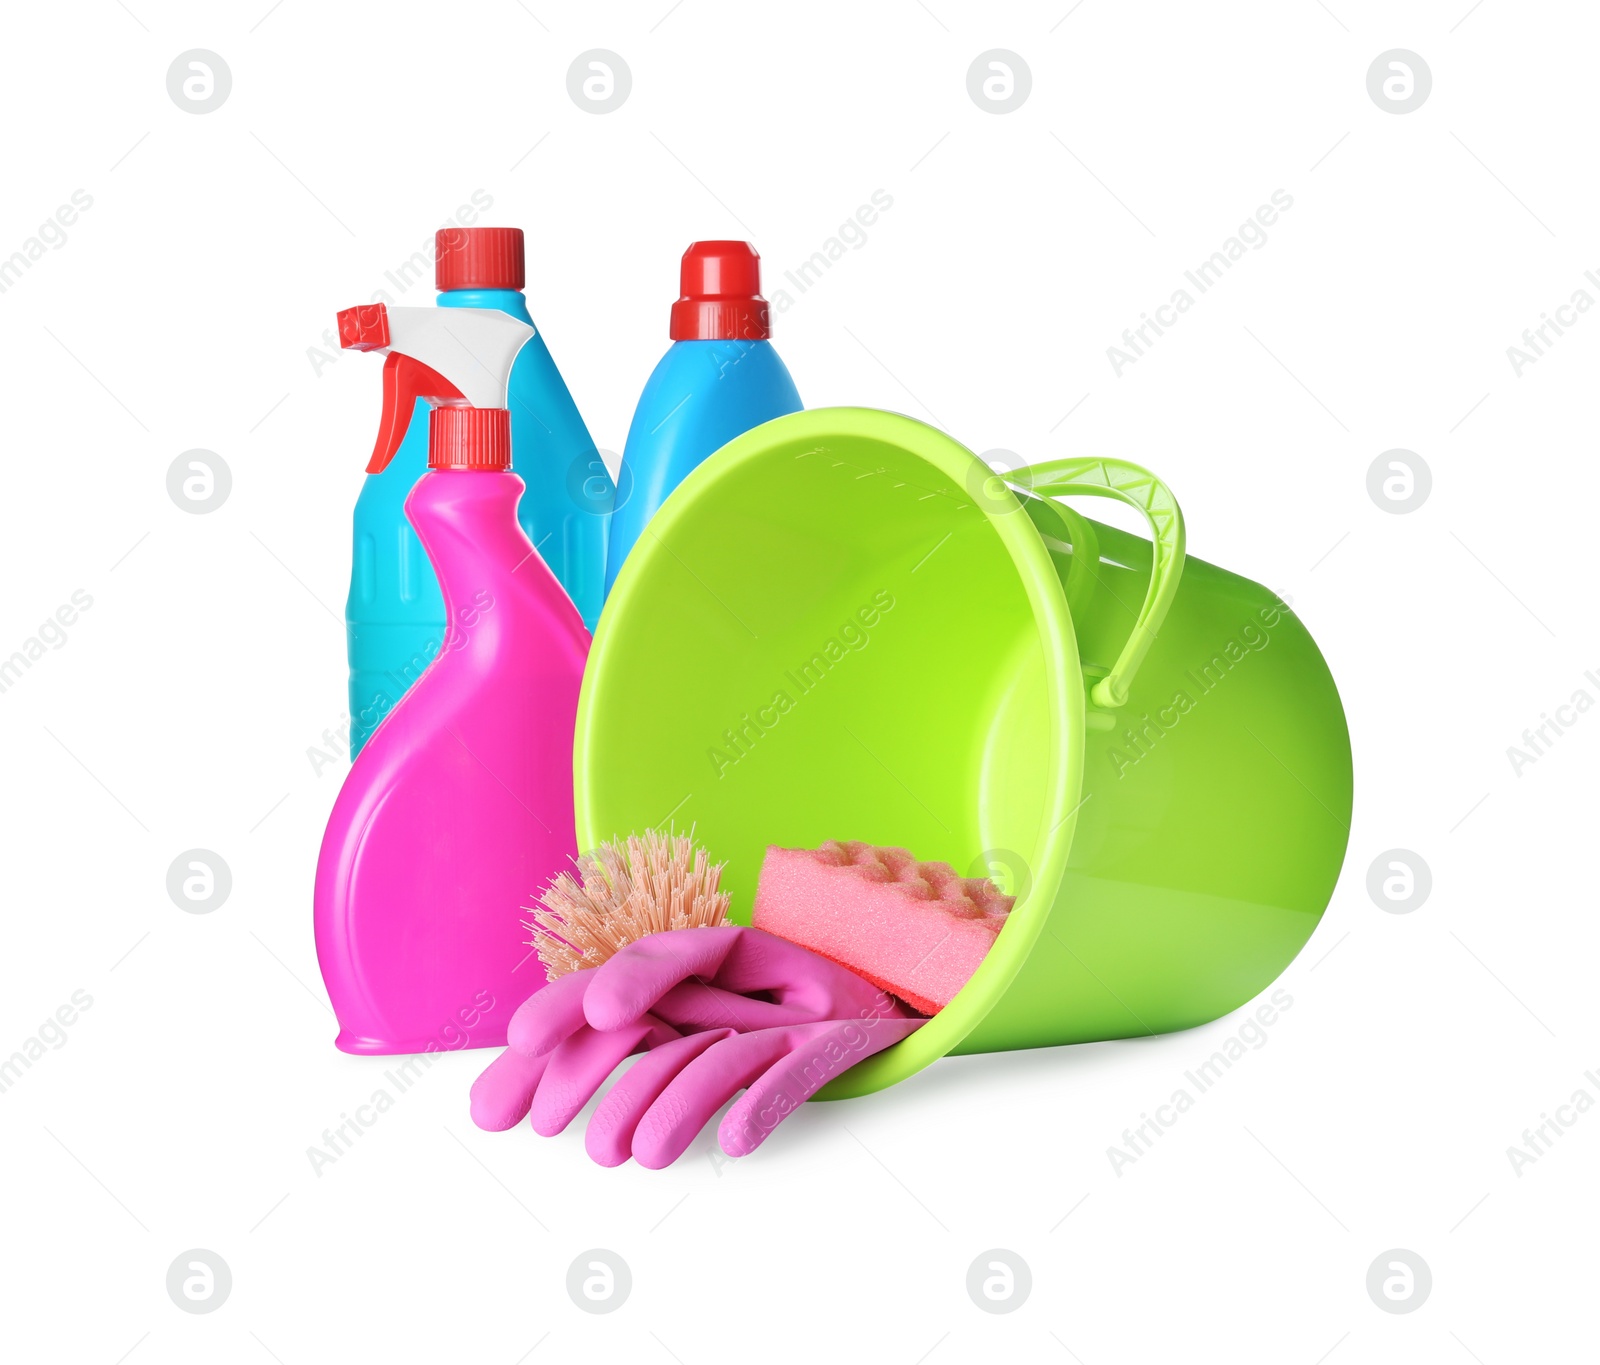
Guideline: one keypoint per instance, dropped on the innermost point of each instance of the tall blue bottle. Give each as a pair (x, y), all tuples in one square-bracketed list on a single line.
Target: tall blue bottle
[(395, 613), (719, 378)]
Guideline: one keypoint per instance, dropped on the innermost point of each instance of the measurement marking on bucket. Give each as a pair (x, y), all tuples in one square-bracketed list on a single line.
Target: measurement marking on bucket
[(882, 471)]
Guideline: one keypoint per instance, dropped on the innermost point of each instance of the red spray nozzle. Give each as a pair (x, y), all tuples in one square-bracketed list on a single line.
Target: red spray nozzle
[(455, 358), (405, 379), (364, 328)]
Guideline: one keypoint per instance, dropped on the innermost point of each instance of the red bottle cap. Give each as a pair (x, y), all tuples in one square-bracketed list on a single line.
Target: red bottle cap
[(721, 287), (478, 258), (469, 438)]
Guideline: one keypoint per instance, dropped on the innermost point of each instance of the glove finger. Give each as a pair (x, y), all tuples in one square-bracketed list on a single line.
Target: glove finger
[(579, 1067), (502, 1094), (691, 1005), (813, 1061), (549, 1015), (642, 972), (609, 1139), (700, 1089)]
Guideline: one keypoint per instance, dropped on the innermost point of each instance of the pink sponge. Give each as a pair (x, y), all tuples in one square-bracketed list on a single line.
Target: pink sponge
[(916, 929)]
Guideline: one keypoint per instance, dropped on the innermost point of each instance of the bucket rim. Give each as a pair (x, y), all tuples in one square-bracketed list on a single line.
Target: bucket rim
[(1064, 694)]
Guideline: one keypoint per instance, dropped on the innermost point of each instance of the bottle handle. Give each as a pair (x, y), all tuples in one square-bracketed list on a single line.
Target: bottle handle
[(1140, 489)]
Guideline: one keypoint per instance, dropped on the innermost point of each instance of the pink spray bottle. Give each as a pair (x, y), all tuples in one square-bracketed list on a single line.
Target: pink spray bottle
[(460, 805)]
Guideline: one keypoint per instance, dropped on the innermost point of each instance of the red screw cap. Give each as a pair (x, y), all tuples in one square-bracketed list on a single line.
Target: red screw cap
[(721, 287), (478, 258), (469, 438)]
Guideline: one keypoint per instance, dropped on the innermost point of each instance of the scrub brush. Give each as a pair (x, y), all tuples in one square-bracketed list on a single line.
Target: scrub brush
[(628, 889)]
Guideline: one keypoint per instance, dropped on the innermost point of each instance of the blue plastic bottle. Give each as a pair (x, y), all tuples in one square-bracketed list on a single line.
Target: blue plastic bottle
[(395, 613), (719, 378)]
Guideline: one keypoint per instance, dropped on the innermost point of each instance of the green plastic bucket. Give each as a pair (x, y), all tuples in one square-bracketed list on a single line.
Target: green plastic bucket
[(846, 626)]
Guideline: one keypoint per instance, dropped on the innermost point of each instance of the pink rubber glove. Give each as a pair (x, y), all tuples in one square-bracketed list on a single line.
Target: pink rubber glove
[(566, 1039), (554, 1085), (654, 1111)]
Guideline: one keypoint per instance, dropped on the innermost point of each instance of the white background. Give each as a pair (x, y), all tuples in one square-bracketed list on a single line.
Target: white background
[(179, 711)]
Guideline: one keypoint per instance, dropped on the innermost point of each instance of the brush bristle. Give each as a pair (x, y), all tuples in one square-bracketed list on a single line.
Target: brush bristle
[(625, 890)]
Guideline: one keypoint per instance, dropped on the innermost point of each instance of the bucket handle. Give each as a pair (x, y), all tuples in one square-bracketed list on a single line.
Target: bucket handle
[(1140, 489)]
